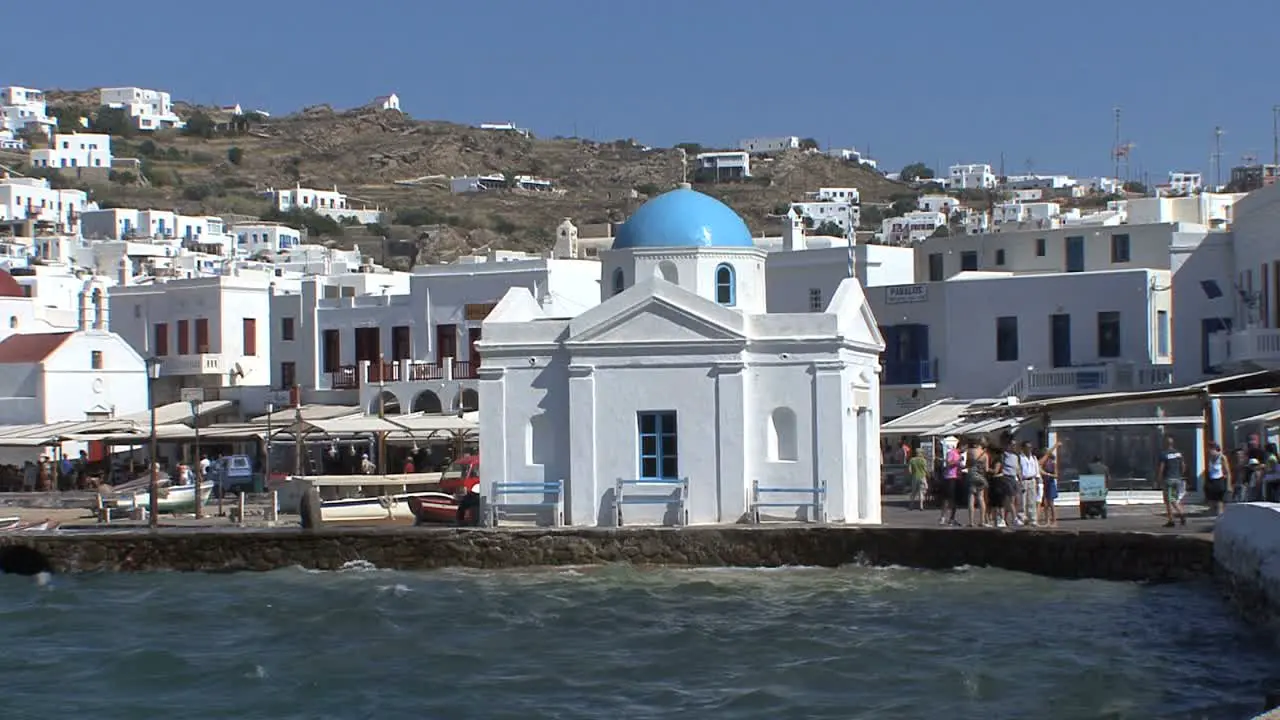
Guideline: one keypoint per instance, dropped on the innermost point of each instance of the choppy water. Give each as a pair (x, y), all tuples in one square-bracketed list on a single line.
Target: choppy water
[(622, 643)]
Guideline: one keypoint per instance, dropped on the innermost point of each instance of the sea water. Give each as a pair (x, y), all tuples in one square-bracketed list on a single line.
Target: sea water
[(622, 642)]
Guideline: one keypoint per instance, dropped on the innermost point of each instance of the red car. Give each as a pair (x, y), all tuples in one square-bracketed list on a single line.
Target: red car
[(462, 476)]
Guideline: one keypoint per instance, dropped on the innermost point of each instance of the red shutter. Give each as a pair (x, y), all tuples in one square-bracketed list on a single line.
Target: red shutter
[(250, 336), (161, 339), (184, 338), (202, 335)]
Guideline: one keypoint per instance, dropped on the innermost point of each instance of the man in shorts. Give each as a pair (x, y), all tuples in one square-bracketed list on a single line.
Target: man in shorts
[(1170, 474)]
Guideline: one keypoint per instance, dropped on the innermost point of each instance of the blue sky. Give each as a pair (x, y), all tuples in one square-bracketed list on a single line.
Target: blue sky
[(931, 80)]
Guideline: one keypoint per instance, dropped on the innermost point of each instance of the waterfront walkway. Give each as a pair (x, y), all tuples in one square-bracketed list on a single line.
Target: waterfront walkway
[(69, 509)]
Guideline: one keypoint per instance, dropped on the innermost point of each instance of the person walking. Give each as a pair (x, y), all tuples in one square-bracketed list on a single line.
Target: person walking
[(951, 485), (1029, 466), (918, 470), (1004, 490), (1169, 474), (1217, 479), (976, 475), (1049, 472)]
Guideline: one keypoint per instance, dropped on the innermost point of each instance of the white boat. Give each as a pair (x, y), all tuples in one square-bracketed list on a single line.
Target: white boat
[(383, 508), (17, 525), (173, 498)]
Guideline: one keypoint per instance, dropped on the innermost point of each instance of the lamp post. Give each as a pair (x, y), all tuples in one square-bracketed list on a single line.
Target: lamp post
[(153, 495), (266, 470)]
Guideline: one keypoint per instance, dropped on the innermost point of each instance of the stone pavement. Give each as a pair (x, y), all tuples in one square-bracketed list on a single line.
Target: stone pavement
[(897, 512)]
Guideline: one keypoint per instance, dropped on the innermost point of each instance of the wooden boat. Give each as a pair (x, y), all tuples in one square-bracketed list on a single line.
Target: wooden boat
[(381, 508), (433, 508), (172, 499), (18, 525)]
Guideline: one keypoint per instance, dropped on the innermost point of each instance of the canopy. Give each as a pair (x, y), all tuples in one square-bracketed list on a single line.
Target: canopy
[(1261, 418), (40, 435), (179, 412), (940, 418), (178, 432), (414, 425), (288, 415)]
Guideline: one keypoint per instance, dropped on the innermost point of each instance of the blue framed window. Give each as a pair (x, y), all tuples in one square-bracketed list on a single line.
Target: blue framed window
[(659, 449), (619, 281), (726, 293)]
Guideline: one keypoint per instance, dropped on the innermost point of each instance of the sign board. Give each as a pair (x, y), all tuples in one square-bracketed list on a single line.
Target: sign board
[(896, 294), (192, 394), (1093, 488), (475, 312)]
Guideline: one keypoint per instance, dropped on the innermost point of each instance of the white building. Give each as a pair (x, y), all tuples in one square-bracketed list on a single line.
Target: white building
[(148, 109), (850, 155), (498, 181), (936, 203), (838, 206), (23, 107), (424, 327), (330, 203), (975, 176), (209, 332), (387, 102), (254, 238), (35, 200), (1182, 182), (1039, 182), (682, 375), (725, 165), (75, 150), (1040, 215), (84, 374), (912, 227), (1243, 277), (983, 335), (769, 145)]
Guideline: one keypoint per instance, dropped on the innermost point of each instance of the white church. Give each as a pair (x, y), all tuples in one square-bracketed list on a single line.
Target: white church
[(682, 387)]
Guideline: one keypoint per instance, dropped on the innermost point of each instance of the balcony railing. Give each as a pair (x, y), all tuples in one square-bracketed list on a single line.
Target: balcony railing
[(1086, 379), (351, 377), (911, 372), (1251, 346), (199, 364)]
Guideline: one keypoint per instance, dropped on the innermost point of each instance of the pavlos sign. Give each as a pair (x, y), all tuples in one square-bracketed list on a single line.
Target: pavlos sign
[(895, 294)]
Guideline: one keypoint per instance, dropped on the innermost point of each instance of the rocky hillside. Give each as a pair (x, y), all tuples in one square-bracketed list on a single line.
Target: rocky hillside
[(392, 160)]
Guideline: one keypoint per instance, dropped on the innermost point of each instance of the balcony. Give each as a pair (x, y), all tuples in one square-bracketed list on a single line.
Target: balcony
[(1088, 379), (921, 373), (199, 364), (351, 377), (1245, 349)]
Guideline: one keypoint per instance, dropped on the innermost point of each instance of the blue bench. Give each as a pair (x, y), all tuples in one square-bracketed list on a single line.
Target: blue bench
[(814, 500), (674, 491), (527, 496)]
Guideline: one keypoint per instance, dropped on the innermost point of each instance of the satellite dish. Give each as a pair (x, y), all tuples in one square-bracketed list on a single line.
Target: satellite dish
[(238, 371)]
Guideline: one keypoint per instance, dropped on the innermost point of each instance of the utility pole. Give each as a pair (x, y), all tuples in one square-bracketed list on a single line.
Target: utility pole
[(1115, 149), (1217, 157), (1275, 135)]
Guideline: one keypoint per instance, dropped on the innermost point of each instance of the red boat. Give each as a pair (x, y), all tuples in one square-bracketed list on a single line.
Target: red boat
[(434, 508)]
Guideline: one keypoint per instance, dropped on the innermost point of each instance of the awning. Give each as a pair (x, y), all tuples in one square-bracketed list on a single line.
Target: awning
[(416, 424), (982, 427), (1262, 380), (180, 412), (935, 419), (39, 435), (1262, 418), (287, 416), (177, 432)]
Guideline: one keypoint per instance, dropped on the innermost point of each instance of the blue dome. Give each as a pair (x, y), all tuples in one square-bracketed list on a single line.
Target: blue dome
[(683, 218)]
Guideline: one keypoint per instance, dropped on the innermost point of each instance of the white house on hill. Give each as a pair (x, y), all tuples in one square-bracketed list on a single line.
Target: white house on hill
[(682, 373)]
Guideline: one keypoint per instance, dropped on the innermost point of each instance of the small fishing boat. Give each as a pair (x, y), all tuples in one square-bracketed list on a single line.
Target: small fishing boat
[(171, 499), (380, 508), (433, 508), (18, 525)]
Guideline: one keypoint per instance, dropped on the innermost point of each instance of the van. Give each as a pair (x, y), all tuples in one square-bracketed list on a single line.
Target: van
[(232, 474)]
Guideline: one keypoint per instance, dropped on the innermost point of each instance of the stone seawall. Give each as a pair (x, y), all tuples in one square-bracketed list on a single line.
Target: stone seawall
[(1247, 556), (1110, 556)]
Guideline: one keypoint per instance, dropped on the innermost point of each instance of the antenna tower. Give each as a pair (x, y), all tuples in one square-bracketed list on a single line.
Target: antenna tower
[(1217, 157)]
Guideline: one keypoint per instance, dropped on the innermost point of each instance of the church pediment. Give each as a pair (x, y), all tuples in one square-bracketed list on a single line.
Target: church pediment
[(655, 321)]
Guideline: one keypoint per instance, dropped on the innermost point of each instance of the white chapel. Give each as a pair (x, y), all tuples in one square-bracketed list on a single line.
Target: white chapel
[(682, 373)]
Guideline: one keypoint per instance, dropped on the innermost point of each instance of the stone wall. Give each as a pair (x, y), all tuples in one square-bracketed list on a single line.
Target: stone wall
[(1111, 556), (1247, 554)]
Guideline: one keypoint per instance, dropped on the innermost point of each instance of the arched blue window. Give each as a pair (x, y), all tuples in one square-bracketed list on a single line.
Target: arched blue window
[(619, 281), (726, 293)]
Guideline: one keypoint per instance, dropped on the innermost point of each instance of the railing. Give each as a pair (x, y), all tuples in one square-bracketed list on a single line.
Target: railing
[(198, 364), (350, 377), (1256, 345), (1085, 379), (910, 372)]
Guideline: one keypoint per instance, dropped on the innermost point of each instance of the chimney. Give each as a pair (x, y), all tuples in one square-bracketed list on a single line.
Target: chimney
[(99, 309), (83, 322), (125, 272), (792, 231)]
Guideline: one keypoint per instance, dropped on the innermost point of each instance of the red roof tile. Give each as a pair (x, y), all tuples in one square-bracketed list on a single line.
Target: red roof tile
[(30, 347), (10, 287)]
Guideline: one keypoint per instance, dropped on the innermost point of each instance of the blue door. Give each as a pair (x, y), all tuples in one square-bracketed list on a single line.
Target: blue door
[(659, 448), (1075, 254), (1060, 340)]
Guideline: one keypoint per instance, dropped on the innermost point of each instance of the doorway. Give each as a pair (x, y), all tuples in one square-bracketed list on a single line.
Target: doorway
[(1060, 340)]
